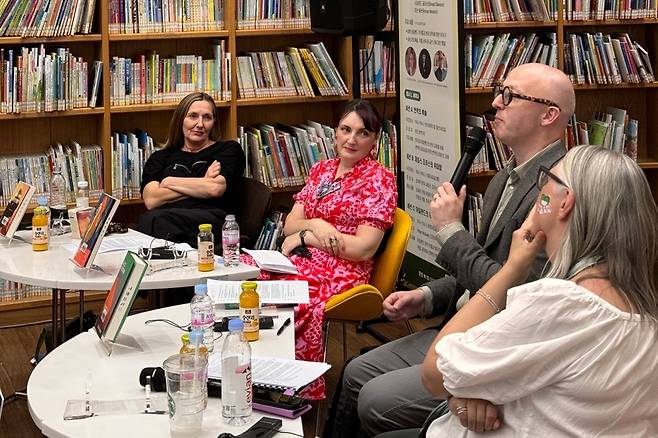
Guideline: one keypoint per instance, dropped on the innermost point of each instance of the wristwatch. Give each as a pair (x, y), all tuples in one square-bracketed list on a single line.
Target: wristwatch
[(301, 237)]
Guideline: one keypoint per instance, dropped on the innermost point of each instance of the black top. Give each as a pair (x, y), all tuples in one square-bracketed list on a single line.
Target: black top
[(176, 162)]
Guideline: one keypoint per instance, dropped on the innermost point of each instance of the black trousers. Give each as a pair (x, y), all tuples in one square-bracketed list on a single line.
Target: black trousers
[(181, 225)]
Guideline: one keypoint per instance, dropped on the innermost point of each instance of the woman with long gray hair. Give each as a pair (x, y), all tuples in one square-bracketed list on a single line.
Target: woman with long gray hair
[(576, 352)]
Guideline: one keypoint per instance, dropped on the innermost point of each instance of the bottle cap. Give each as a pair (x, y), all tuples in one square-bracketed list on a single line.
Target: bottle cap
[(230, 217), (82, 184), (195, 336), (201, 289), (42, 200), (185, 337), (235, 325), (205, 227), (248, 285)]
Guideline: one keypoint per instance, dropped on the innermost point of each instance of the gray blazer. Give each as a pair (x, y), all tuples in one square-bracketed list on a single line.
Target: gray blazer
[(471, 262)]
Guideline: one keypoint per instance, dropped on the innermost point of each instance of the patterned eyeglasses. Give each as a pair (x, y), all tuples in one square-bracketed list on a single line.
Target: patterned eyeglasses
[(543, 176), (508, 95)]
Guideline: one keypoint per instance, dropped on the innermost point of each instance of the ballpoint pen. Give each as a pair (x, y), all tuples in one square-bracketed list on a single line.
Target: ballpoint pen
[(286, 323)]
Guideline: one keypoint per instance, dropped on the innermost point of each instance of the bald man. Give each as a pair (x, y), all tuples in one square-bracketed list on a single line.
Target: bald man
[(533, 107)]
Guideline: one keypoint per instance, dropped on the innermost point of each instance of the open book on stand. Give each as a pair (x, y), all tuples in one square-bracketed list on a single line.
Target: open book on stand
[(121, 296), (16, 208), (91, 241)]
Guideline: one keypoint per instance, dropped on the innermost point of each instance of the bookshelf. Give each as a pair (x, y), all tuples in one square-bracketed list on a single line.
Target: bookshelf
[(32, 133), (640, 100)]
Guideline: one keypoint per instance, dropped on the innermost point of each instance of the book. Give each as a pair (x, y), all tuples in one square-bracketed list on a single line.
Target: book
[(275, 373), (121, 297), (272, 261), (16, 208), (94, 233)]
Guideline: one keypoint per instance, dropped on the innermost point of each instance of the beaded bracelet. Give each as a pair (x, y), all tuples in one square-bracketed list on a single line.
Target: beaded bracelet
[(489, 300)]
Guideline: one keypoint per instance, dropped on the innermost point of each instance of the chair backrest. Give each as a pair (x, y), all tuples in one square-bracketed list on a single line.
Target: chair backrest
[(255, 203), (388, 263)]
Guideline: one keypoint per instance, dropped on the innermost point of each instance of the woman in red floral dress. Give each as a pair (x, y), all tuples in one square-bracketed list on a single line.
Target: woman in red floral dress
[(340, 216)]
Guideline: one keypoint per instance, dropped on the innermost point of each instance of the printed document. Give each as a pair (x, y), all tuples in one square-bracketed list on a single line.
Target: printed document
[(270, 292), (275, 372)]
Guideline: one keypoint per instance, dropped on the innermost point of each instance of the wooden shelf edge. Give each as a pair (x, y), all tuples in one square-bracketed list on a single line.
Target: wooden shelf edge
[(508, 24), (168, 35), (626, 86), (378, 95), (647, 163), (266, 32), (68, 113), (92, 37), (291, 99), (117, 109), (576, 23), (290, 189)]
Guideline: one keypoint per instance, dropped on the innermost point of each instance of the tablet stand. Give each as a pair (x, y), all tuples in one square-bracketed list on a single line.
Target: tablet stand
[(122, 340)]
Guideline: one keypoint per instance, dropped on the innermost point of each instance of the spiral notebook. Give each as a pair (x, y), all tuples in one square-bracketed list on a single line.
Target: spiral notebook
[(285, 375)]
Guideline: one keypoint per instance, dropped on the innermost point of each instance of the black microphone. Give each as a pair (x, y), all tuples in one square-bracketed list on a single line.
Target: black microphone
[(472, 145), (158, 383)]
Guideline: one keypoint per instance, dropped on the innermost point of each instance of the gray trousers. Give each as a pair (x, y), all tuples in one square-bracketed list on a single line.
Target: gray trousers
[(385, 384)]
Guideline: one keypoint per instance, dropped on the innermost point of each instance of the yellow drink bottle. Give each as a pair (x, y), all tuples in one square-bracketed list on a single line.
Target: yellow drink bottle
[(249, 310), (40, 229), (206, 248)]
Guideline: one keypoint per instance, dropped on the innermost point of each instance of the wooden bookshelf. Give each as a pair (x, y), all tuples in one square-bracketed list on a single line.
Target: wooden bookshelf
[(640, 100), (32, 133)]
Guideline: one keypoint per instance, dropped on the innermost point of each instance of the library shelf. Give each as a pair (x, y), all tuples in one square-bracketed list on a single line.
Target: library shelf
[(168, 35)]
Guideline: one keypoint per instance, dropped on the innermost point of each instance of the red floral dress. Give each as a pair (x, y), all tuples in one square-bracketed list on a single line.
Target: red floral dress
[(367, 195)]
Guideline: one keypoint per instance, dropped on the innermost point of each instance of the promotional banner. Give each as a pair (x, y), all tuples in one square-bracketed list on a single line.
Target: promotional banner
[(431, 84)]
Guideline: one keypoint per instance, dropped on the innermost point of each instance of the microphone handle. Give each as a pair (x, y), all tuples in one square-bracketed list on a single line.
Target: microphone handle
[(459, 176)]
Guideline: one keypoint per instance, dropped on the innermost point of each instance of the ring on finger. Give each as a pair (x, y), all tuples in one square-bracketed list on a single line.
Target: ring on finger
[(461, 410)]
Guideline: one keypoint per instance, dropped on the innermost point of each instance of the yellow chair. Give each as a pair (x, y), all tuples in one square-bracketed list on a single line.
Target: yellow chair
[(364, 302)]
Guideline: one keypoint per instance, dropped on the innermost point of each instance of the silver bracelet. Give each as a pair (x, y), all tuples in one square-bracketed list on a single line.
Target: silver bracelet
[(489, 300)]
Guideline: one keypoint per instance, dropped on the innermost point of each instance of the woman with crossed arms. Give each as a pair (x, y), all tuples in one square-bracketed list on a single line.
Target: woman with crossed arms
[(575, 353)]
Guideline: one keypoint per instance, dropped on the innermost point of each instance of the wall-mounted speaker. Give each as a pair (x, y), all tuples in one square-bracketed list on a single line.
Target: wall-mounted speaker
[(348, 17)]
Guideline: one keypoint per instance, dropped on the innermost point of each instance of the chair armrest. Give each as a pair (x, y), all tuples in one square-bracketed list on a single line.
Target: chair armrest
[(359, 303)]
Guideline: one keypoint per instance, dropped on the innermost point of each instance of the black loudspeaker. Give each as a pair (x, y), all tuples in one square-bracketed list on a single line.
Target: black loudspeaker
[(348, 17)]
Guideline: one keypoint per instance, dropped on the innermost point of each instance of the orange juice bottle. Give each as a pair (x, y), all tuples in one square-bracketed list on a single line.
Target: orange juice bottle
[(206, 248), (40, 229), (249, 310)]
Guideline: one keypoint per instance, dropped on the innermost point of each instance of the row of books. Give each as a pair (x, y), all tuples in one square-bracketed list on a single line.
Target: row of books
[(148, 78), (33, 80), (606, 59), (12, 291), (130, 150), (276, 74), (610, 10), (489, 58), (141, 16), (273, 14), (44, 18), (75, 161), (612, 129), (482, 11), (474, 212), (281, 155), (387, 147), (376, 65), (494, 155), (272, 229)]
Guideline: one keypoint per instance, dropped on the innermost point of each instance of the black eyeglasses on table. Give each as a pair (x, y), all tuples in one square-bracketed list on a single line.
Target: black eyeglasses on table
[(508, 95)]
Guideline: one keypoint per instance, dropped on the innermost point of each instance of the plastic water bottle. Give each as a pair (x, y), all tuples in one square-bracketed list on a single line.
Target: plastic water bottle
[(82, 195), (203, 315), (57, 194), (236, 376), (231, 241)]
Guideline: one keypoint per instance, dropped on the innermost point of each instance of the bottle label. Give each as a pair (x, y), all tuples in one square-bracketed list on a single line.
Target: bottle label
[(237, 389), (201, 319), (249, 316), (231, 237), (39, 235), (206, 252)]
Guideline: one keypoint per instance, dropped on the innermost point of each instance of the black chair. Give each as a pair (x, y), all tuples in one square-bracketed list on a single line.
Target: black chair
[(254, 206)]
